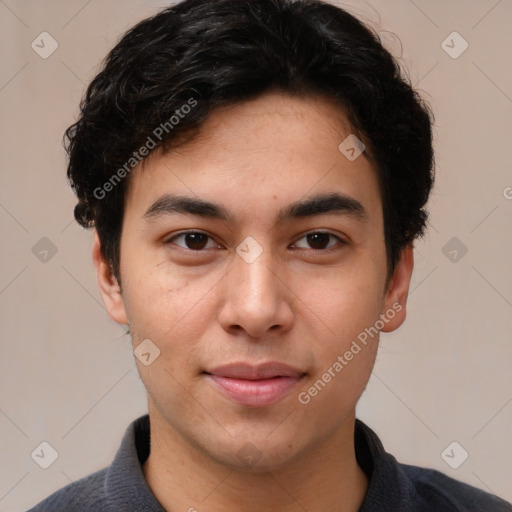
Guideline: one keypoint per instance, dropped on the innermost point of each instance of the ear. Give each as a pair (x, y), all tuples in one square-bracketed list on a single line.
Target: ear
[(109, 287), (398, 289)]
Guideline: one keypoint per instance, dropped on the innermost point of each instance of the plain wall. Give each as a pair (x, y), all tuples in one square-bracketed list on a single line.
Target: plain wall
[(68, 375)]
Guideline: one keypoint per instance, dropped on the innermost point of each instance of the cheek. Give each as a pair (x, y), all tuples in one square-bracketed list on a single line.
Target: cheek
[(345, 347), (331, 395), (173, 309), (344, 301), (167, 309), (346, 308), (156, 295), (146, 304)]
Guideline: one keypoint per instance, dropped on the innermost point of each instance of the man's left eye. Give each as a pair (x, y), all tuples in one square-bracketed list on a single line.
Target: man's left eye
[(319, 239)]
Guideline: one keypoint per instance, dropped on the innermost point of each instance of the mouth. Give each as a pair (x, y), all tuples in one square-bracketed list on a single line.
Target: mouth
[(255, 386)]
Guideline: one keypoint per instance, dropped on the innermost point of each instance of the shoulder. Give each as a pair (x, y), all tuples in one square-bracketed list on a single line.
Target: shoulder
[(398, 487), (120, 486), (87, 493), (432, 488)]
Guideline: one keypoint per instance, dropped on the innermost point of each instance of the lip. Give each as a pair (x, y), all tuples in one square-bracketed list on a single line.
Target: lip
[(255, 386)]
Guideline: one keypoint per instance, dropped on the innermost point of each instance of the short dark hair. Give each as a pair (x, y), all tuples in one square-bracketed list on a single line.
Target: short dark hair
[(201, 54)]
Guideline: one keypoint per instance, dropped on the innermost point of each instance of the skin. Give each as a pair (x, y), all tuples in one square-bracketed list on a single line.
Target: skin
[(297, 303)]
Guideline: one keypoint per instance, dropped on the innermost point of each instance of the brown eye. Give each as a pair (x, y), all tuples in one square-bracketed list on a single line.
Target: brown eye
[(193, 240), (320, 240)]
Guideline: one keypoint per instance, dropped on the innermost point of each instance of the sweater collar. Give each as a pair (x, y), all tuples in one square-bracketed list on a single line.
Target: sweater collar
[(128, 489), (126, 486)]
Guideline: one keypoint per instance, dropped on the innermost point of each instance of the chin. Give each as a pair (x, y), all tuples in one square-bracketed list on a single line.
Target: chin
[(255, 455)]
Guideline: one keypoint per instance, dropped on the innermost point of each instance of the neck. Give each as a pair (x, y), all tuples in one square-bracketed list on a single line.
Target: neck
[(184, 478)]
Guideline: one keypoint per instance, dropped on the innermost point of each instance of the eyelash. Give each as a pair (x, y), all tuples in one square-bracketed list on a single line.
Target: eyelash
[(197, 251)]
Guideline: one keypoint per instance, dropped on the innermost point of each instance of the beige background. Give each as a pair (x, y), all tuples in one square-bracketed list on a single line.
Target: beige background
[(67, 372)]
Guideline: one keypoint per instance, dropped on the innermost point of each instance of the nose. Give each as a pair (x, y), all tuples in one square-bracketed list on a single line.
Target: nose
[(257, 297)]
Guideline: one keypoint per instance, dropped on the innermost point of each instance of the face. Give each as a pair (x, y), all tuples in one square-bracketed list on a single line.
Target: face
[(257, 311)]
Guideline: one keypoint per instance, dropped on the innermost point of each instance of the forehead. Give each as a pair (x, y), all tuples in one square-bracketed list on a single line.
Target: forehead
[(275, 146)]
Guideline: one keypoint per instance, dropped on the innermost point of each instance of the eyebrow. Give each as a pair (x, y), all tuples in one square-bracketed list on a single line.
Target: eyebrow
[(315, 205)]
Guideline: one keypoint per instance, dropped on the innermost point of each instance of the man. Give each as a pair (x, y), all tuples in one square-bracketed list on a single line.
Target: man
[(256, 174)]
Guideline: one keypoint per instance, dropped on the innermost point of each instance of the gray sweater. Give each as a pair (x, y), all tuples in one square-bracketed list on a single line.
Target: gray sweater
[(393, 487)]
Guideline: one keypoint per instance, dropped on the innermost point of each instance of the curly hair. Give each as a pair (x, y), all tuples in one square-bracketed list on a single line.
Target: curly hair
[(208, 53)]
